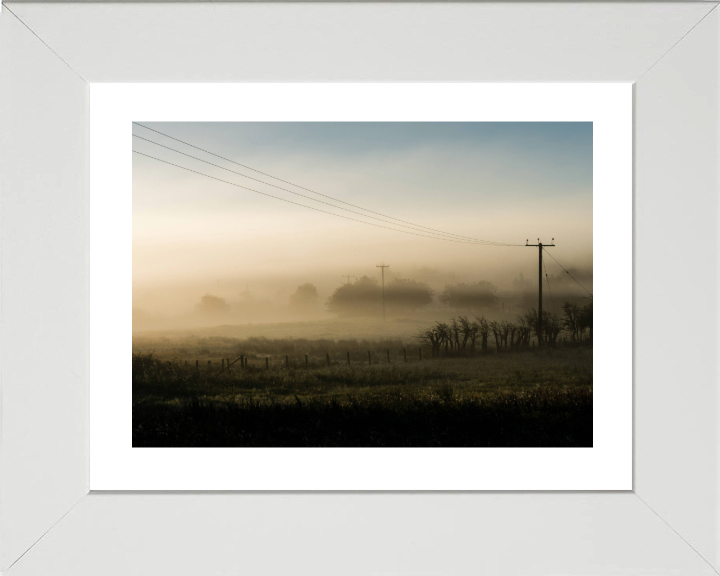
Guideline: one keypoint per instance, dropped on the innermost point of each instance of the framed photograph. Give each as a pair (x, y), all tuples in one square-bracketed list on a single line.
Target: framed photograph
[(462, 307), (194, 192)]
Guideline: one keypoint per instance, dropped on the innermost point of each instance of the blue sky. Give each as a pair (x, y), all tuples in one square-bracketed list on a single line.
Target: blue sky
[(500, 181), (530, 157)]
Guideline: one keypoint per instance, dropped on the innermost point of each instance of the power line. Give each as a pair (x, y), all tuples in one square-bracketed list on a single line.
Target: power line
[(308, 189), (417, 229), (568, 273), (311, 207)]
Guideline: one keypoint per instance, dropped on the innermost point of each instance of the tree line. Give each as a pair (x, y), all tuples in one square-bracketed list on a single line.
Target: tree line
[(364, 297), (462, 334)]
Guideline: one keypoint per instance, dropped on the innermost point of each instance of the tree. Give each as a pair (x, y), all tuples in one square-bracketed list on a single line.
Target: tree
[(524, 330), (361, 298), (305, 295), (469, 296), (586, 319), (496, 330), (531, 319), (432, 337), (455, 334), (403, 295), (512, 329), (483, 327), (552, 325), (212, 305), (443, 332), (504, 331), (468, 331), (572, 320)]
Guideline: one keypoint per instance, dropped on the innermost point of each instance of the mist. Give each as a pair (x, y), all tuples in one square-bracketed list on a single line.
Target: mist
[(195, 237)]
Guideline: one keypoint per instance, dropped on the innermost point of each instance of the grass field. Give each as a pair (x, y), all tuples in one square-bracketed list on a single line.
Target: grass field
[(517, 398)]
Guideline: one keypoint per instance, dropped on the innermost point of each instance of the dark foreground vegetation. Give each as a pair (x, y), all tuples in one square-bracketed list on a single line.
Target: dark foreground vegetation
[(516, 397), (541, 417)]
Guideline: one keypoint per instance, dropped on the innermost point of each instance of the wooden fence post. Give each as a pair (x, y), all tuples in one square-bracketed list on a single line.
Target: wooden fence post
[(348, 354), (222, 365), (242, 362), (328, 358), (246, 359), (209, 365), (267, 362), (228, 363)]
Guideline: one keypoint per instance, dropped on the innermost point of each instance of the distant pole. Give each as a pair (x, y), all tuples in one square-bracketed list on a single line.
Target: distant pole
[(540, 247), (228, 363), (306, 361), (267, 362), (328, 358), (222, 363), (382, 267), (242, 361), (539, 292), (348, 278)]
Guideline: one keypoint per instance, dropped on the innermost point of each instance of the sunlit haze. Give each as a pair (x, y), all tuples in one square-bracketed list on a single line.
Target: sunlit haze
[(503, 182)]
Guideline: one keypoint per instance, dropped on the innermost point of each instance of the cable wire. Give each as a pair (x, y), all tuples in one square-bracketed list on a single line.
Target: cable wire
[(313, 191), (568, 273), (309, 207), (304, 195)]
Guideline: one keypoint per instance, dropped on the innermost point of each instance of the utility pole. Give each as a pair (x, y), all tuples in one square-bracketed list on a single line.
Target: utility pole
[(540, 247), (348, 277), (382, 267)]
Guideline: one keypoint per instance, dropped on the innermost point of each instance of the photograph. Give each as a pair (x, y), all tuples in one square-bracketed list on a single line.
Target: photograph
[(362, 284)]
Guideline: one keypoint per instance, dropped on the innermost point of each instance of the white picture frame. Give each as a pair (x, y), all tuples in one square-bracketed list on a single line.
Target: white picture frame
[(50, 523)]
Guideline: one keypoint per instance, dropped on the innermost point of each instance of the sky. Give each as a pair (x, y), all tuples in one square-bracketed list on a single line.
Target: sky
[(499, 181)]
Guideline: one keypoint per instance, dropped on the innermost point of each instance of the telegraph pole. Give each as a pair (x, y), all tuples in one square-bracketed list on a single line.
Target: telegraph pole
[(382, 267), (348, 277), (540, 247)]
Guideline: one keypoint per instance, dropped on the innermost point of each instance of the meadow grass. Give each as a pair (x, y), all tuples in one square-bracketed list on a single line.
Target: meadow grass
[(528, 398)]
